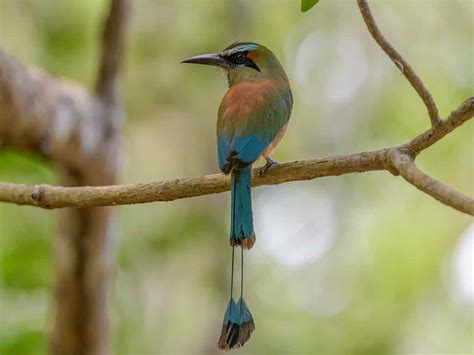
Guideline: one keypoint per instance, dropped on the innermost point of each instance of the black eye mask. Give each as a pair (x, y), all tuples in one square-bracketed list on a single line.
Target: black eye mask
[(240, 58)]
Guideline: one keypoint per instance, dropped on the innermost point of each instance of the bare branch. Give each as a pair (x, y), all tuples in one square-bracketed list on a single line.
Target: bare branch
[(399, 61), (56, 118), (56, 197), (113, 43), (443, 193), (460, 115)]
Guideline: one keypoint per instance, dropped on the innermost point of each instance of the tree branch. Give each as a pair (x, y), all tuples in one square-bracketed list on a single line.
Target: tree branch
[(443, 193), (459, 116), (55, 118), (57, 197), (113, 43), (399, 61), (168, 190)]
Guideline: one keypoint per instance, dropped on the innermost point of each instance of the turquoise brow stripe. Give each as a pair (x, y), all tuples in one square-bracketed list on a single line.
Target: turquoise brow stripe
[(241, 48)]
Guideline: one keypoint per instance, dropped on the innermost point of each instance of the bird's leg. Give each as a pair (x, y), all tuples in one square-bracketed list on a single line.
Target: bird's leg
[(269, 163)]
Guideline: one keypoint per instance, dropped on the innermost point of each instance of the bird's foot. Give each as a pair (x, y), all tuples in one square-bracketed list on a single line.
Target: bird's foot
[(268, 164)]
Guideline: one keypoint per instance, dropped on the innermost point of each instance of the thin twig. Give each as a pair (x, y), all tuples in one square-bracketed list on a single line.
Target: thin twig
[(400, 62), (443, 193)]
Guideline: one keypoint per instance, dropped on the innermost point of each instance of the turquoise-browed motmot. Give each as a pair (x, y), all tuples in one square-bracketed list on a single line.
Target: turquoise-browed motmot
[(252, 118)]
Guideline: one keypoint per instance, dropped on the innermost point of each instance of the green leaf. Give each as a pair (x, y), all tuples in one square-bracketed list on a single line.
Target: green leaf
[(308, 4)]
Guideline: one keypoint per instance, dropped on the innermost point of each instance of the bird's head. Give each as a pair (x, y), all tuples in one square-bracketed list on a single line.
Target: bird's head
[(244, 61)]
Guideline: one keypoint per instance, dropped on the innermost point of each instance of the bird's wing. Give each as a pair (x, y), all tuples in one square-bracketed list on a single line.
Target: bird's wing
[(250, 116)]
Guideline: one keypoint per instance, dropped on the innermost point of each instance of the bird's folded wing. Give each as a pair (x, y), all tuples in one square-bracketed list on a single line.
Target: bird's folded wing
[(248, 122)]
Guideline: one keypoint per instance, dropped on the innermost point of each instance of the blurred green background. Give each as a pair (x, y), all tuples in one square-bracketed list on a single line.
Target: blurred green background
[(359, 264)]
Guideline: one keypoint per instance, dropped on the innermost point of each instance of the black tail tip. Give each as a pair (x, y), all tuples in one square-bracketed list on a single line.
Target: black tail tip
[(245, 243), (235, 335)]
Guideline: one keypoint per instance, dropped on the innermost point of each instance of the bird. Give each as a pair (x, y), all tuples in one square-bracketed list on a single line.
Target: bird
[(252, 119)]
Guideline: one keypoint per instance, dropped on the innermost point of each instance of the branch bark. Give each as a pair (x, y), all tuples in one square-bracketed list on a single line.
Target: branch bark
[(168, 190)]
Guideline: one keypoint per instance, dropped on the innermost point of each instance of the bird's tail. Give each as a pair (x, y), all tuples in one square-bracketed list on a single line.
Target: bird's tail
[(241, 228), (238, 325), (238, 322)]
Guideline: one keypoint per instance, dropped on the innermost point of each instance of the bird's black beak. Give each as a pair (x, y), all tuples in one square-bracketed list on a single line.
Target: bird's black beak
[(208, 59)]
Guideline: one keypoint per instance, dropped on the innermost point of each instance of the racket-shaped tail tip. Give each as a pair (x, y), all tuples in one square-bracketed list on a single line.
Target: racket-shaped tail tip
[(238, 326)]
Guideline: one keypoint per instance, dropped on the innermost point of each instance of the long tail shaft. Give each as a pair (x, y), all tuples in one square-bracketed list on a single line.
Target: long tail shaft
[(241, 230)]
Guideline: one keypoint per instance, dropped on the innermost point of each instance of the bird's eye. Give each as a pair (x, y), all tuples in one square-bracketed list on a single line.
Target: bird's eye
[(240, 58)]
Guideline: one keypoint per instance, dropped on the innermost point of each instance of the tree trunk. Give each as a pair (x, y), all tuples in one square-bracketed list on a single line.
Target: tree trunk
[(79, 131), (84, 257)]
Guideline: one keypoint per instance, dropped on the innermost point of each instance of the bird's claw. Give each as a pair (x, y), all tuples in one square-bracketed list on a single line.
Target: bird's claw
[(268, 164)]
